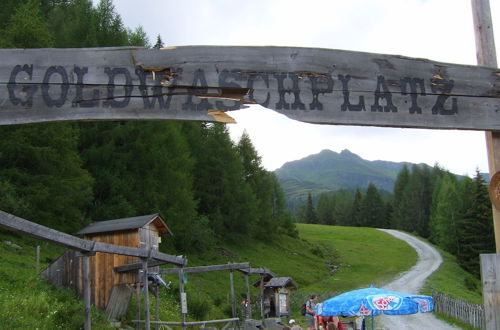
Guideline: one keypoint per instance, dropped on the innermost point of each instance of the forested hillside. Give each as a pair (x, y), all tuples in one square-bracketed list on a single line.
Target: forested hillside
[(65, 175), (452, 212)]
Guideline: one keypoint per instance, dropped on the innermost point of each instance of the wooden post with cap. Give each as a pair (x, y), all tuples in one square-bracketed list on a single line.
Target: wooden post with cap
[(490, 263), (486, 56)]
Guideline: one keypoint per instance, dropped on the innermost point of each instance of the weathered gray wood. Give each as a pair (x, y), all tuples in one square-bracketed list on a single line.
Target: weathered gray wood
[(248, 309), (157, 307), (138, 298), (307, 84), (202, 269), (12, 222), (472, 314), (259, 271), (147, 314), (193, 323), (490, 275), (37, 258), (119, 301), (136, 266), (486, 55), (261, 294), (86, 291), (182, 296), (64, 272), (231, 290)]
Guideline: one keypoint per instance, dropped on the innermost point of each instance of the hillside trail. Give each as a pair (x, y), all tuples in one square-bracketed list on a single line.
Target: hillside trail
[(412, 281)]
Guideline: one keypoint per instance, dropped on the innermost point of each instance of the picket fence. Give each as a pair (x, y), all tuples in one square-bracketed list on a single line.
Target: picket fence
[(468, 313)]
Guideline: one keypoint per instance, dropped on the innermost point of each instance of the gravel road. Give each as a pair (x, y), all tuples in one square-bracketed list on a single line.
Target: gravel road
[(412, 281)]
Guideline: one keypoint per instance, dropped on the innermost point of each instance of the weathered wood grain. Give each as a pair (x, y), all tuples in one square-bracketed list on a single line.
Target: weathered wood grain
[(490, 274), (12, 222), (202, 269), (202, 82)]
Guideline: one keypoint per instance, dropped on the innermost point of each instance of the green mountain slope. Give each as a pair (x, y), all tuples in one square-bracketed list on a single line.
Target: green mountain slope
[(331, 171), (326, 260)]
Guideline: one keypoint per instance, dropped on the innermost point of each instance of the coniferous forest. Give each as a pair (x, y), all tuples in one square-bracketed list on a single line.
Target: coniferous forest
[(65, 175), (453, 213), (209, 188)]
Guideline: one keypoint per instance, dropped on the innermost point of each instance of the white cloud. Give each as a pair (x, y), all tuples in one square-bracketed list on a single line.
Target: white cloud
[(436, 29)]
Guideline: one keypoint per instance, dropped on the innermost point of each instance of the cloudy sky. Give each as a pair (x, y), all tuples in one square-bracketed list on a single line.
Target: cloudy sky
[(440, 30)]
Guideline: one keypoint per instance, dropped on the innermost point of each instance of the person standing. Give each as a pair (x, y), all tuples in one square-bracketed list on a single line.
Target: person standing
[(310, 312)]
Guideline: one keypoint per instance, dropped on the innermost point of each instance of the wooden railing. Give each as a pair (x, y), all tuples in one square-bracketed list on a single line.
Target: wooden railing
[(466, 312), (201, 324)]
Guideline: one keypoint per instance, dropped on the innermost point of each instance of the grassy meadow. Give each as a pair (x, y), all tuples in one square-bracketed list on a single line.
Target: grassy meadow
[(325, 259)]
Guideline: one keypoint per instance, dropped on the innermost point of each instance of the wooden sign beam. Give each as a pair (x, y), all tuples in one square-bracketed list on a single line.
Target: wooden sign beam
[(12, 222), (203, 83), (203, 269)]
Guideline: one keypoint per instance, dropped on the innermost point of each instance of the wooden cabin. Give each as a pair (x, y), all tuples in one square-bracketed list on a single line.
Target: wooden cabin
[(277, 296), (139, 232)]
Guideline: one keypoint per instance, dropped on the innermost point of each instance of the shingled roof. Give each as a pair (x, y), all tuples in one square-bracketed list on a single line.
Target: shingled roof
[(281, 282), (126, 224)]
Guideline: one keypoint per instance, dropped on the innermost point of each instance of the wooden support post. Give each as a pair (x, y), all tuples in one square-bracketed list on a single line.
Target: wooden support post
[(233, 299), (490, 273), (248, 309), (147, 316), (262, 296), (138, 297), (157, 306), (37, 258), (182, 295), (486, 55), (490, 270), (86, 291)]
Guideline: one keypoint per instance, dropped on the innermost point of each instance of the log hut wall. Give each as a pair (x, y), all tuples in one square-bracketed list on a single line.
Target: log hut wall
[(138, 232), (102, 276), (65, 272)]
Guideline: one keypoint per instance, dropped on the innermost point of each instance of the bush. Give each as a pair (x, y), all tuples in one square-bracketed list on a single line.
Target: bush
[(198, 308)]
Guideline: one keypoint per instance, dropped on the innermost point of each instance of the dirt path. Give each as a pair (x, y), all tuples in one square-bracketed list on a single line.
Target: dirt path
[(412, 281)]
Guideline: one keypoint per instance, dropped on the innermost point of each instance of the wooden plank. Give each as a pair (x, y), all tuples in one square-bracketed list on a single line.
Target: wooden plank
[(490, 275), (147, 316), (486, 55), (118, 302), (203, 269), (259, 271), (202, 82), (12, 222), (193, 323), (86, 292)]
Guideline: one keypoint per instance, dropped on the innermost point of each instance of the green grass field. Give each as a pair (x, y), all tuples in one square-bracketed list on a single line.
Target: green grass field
[(326, 260)]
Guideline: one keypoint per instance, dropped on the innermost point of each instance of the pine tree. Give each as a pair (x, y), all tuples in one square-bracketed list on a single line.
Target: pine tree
[(477, 235), (325, 209), (446, 215), (399, 203), (372, 208), (159, 42), (310, 212), (356, 215)]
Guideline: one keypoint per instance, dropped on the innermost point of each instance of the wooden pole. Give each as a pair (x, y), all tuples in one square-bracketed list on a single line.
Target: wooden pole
[(157, 306), (183, 299), (233, 300), (262, 296), (486, 55), (86, 291), (248, 309), (147, 316), (38, 258), (138, 296)]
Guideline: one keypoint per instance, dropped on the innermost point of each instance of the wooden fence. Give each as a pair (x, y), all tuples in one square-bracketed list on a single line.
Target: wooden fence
[(468, 313)]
